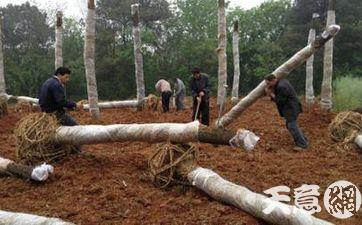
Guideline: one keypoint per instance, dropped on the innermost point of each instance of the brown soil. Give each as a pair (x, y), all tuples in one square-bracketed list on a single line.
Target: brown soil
[(110, 185)]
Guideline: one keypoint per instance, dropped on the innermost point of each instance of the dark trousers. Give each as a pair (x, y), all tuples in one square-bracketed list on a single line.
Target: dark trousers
[(299, 139), (179, 99), (65, 119), (203, 110), (166, 100)]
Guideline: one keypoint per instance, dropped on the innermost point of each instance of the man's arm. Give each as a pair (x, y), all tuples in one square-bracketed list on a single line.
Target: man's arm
[(207, 86), (58, 93)]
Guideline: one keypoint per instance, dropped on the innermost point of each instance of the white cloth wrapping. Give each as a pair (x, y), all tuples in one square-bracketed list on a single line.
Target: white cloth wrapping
[(115, 104), (41, 173), (4, 163), (245, 138), (11, 218), (153, 132), (253, 203), (358, 141)]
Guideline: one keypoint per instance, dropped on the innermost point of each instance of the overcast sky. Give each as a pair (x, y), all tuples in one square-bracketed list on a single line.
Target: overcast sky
[(76, 8)]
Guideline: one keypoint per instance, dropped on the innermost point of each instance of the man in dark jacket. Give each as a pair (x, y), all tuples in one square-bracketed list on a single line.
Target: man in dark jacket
[(289, 107), (199, 85), (52, 97)]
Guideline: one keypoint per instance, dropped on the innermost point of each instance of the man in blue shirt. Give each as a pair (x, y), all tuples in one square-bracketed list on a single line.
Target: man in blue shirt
[(52, 97)]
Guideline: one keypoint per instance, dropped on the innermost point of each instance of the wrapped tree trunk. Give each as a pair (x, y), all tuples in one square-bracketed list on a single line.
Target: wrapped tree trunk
[(235, 91), (59, 40), (11, 218), (38, 173), (89, 61), (358, 141), (251, 202), (221, 52), (115, 104), (2, 75), (137, 53), (309, 90), (280, 72), (326, 92), (154, 132)]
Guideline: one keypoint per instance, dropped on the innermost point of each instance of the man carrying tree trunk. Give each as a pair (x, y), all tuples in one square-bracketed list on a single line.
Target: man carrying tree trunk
[(289, 107), (164, 87), (52, 97), (199, 85)]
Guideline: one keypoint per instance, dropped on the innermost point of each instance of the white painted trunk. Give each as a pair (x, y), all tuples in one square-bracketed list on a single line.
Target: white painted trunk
[(235, 91), (221, 52), (59, 40), (154, 132), (280, 72), (137, 53), (89, 61), (248, 201), (115, 104), (34, 101), (2, 75), (326, 92), (309, 90), (11, 218)]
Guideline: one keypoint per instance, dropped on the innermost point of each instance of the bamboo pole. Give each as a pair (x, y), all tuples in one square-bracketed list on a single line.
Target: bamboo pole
[(2, 75), (235, 91), (59, 40), (137, 53), (248, 201), (309, 90), (89, 61), (221, 52), (326, 92), (280, 72), (11, 218)]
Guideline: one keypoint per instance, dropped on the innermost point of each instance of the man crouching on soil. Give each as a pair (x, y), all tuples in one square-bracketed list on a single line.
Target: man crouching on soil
[(289, 107), (52, 97)]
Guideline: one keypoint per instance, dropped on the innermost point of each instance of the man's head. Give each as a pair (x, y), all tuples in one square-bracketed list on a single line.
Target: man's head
[(63, 74), (196, 72), (271, 80)]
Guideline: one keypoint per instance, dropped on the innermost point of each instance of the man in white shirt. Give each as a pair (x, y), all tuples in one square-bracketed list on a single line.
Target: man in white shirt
[(164, 88)]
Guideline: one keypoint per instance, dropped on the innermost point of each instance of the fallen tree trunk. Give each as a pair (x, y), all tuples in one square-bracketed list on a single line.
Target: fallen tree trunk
[(34, 101), (11, 218), (153, 132), (115, 104), (358, 141), (251, 202), (38, 173), (280, 72)]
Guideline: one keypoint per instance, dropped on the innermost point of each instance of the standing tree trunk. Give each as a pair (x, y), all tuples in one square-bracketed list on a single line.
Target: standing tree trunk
[(137, 53), (235, 91), (309, 91), (59, 40), (221, 51), (2, 76), (89, 61), (326, 93), (280, 72)]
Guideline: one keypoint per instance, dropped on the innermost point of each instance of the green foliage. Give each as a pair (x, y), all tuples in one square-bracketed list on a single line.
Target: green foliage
[(347, 93)]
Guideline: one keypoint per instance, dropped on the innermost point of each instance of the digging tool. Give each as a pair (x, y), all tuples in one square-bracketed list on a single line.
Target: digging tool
[(197, 107)]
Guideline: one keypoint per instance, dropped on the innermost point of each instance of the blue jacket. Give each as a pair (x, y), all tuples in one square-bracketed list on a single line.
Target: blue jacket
[(52, 97)]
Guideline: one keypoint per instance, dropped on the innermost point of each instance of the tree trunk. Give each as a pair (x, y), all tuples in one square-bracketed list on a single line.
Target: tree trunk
[(11, 218), (2, 75), (115, 104), (154, 132), (309, 90), (89, 61), (358, 141), (326, 92), (235, 91), (137, 53), (280, 72), (39, 173), (251, 202), (221, 52), (59, 40)]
